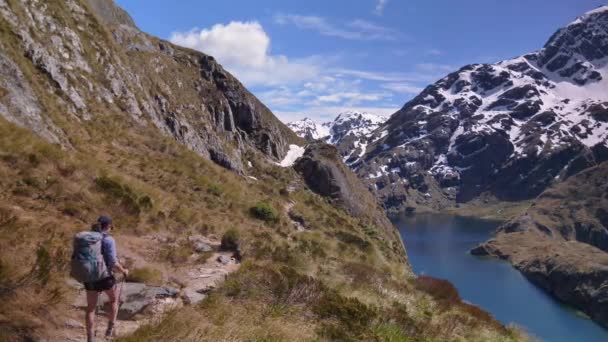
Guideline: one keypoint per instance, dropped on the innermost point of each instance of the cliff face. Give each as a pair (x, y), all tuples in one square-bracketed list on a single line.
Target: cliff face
[(88, 59), (324, 173), (561, 242)]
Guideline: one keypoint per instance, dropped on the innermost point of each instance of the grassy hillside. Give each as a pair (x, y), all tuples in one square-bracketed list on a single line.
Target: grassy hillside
[(338, 279)]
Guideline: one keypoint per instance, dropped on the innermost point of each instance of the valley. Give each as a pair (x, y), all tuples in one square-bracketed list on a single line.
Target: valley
[(523, 140), (237, 226)]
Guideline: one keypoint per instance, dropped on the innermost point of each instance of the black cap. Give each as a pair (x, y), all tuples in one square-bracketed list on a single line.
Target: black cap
[(104, 221)]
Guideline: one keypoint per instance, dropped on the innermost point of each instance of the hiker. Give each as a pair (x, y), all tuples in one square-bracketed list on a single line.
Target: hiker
[(93, 263)]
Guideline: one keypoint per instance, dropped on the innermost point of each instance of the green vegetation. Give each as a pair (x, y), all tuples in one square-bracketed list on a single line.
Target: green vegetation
[(265, 212), (230, 240), (124, 195), (214, 189)]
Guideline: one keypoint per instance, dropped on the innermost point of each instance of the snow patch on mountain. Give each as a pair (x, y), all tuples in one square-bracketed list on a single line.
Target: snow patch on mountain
[(310, 129), (509, 127), (349, 132), (292, 155)]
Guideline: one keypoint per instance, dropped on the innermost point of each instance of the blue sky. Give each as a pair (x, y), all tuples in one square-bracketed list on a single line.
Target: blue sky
[(317, 58)]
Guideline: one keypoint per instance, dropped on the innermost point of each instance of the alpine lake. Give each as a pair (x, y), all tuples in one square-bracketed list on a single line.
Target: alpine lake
[(438, 245)]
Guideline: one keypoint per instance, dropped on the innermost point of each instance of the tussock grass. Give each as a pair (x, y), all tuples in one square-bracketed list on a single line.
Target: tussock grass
[(146, 275), (265, 212), (343, 279)]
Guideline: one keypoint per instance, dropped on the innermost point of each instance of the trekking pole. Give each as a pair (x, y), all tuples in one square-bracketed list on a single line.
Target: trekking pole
[(97, 306), (122, 285)]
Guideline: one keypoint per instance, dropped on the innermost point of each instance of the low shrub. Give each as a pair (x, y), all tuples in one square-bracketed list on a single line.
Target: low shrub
[(265, 212), (444, 292), (352, 239), (353, 318), (370, 231), (146, 275), (176, 254), (116, 191), (145, 202), (483, 316), (312, 247), (363, 273), (391, 332), (230, 240), (70, 210), (7, 218), (215, 190)]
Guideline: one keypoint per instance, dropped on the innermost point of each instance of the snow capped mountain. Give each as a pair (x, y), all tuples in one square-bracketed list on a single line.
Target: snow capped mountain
[(354, 123), (509, 129), (310, 129), (349, 132)]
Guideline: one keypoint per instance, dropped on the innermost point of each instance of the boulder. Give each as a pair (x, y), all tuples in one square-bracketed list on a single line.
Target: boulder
[(223, 259), (201, 247), (135, 297), (322, 168), (192, 297)]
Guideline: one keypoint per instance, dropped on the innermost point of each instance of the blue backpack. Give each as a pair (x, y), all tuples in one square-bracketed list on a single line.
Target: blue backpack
[(88, 264)]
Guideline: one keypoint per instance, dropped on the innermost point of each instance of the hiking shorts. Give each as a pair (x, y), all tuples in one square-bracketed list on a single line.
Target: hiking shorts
[(101, 285)]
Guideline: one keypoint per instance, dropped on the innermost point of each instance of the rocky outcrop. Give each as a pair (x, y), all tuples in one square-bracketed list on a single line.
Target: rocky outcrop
[(561, 242), (506, 130), (134, 298), (324, 172), (86, 59)]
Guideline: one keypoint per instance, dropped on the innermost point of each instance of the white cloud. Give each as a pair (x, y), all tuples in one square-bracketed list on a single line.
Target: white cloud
[(402, 88), (353, 30), (424, 76), (244, 49), (352, 97), (294, 88), (435, 67), (433, 52), (380, 4)]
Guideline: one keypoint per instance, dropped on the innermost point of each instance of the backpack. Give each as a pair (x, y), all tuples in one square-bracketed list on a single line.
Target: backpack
[(88, 264)]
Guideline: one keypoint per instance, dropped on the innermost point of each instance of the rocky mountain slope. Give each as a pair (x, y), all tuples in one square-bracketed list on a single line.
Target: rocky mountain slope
[(561, 242), (99, 117), (506, 130), (185, 94), (349, 132)]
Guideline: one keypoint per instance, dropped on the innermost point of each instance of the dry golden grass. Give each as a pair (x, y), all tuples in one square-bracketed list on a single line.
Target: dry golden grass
[(298, 286), (330, 282)]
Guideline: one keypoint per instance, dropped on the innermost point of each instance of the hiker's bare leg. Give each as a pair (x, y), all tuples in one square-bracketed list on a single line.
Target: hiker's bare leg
[(92, 297), (113, 297)]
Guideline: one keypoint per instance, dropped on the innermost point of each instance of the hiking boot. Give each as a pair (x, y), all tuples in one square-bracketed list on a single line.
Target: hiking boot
[(110, 330)]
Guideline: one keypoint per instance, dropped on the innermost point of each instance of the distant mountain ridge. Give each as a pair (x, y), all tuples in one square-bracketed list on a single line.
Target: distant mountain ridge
[(349, 132), (310, 129), (508, 129)]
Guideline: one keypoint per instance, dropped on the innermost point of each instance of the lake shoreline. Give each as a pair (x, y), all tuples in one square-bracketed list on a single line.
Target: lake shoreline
[(438, 245)]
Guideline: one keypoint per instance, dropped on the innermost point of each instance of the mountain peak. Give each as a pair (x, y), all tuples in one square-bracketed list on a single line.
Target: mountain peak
[(493, 127), (585, 39), (587, 15)]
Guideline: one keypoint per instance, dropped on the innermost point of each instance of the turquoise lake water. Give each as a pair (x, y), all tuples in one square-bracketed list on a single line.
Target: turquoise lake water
[(437, 245)]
